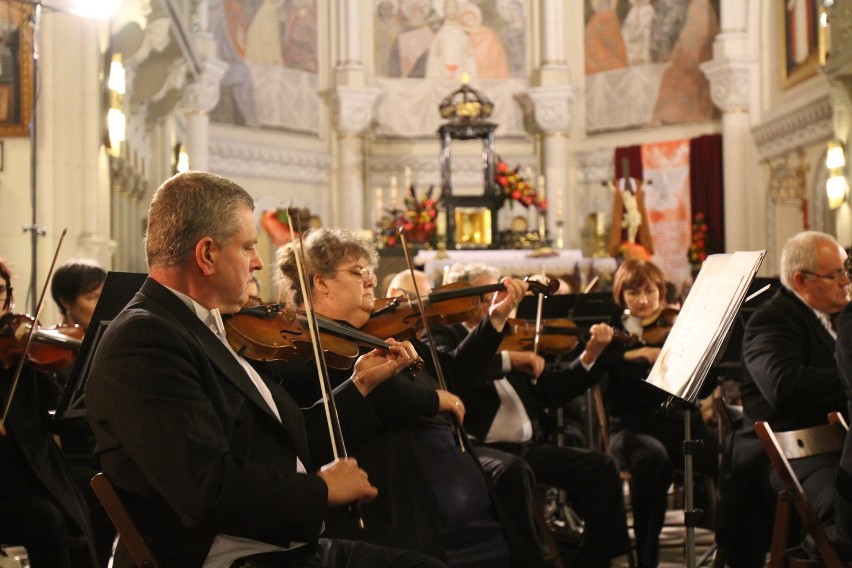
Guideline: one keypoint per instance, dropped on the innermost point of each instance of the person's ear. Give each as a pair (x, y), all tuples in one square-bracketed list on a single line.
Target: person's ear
[(205, 255)]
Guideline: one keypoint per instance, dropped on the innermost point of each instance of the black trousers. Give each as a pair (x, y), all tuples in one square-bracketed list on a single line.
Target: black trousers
[(335, 553), (592, 483)]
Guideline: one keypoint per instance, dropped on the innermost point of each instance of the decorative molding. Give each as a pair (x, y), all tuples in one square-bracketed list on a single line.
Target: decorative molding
[(730, 86), (551, 107), (809, 124), (595, 166), (244, 159), (354, 108), (202, 95)]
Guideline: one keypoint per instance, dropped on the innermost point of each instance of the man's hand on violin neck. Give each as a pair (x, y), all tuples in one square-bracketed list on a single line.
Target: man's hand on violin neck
[(505, 301), (600, 336)]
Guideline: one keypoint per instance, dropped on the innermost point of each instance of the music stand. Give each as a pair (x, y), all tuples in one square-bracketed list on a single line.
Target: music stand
[(693, 346), (553, 307), (119, 288)]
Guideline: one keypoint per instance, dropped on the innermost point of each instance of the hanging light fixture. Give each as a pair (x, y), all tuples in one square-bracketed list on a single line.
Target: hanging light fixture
[(836, 186), (116, 122)]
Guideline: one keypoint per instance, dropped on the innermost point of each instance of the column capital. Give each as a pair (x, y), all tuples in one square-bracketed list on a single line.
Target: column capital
[(730, 85), (551, 107), (354, 108), (202, 95)]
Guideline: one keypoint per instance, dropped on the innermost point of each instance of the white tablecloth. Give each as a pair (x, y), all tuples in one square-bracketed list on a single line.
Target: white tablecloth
[(515, 262)]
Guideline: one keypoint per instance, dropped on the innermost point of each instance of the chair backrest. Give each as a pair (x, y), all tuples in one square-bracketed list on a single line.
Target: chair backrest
[(784, 447), (124, 524)]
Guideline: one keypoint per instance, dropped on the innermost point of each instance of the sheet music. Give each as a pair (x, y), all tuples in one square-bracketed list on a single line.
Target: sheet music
[(705, 319)]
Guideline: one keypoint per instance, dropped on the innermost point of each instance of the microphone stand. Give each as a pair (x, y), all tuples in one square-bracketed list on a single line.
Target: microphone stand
[(33, 228)]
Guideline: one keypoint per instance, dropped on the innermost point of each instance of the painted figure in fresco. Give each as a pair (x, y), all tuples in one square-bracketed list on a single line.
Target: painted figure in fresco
[(299, 48), (684, 94), (386, 28), (451, 52), (410, 52), (489, 53), (636, 31), (605, 48), (514, 36)]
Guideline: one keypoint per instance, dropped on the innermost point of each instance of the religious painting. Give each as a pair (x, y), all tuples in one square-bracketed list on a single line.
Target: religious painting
[(423, 48), (271, 49), (16, 70), (642, 62), (445, 38), (801, 40)]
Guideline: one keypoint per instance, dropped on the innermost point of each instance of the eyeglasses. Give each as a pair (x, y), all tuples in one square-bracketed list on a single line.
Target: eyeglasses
[(837, 275), (366, 273)]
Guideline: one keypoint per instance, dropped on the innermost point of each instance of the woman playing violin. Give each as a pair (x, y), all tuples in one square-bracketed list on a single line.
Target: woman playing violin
[(646, 441), (76, 288), (432, 496), (42, 506)]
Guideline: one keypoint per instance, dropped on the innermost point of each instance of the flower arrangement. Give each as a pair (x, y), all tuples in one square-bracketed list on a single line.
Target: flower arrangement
[(513, 186), (418, 219), (698, 247)]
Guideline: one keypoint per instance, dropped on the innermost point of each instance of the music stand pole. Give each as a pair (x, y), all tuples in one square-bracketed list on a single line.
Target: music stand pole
[(690, 516)]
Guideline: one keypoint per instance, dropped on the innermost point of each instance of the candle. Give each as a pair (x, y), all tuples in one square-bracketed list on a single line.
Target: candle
[(599, 224), (393, 192), (559, 203), (541, 190), (379, 208), (407, 179), (441, 223)]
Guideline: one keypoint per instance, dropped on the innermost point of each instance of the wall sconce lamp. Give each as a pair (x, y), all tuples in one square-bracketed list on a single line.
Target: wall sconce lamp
[(116, 123), (181, 159), (836, 186)]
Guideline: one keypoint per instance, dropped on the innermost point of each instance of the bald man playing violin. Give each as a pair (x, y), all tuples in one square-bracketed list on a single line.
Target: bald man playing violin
[(503, 407), (216, 463)]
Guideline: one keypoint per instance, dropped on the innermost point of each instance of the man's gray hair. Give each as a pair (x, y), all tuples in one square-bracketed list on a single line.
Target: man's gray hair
[(460, 272), (800, 253)]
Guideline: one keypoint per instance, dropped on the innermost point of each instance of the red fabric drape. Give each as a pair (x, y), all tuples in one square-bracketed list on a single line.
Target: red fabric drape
[(707, 188), (630, 156)]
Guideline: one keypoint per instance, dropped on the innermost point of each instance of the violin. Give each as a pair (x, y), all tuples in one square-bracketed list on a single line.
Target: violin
[(53, 348), (656, 329), (558, 336), (452, 303), (269, 332)]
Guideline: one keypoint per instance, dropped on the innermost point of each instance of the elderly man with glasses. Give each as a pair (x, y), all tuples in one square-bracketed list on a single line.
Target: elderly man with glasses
[(791, 381)]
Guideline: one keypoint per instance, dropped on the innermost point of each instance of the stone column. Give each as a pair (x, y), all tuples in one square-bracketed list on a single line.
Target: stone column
[(730, 88), (199, 98), (353, 115), (553, 33), (552, 113)]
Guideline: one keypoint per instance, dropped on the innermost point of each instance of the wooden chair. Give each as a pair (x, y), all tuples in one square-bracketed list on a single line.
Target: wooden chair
[(782, 448), (127, 531)]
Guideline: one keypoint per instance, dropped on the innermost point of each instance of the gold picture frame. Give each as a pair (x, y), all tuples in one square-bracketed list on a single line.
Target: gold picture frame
[(801, 37), (16, 70)]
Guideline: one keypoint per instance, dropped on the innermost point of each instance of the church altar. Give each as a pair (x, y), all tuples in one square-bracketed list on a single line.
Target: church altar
[(561, 263)]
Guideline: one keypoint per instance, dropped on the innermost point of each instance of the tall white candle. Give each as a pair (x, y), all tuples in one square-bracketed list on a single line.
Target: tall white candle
[(441, 223), (379, 206), (393, 192), (407, 179)]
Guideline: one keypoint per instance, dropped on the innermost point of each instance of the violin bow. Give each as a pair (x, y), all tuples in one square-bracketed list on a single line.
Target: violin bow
[(439, 372), (30, 334), (538, 325), (331, 416)]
